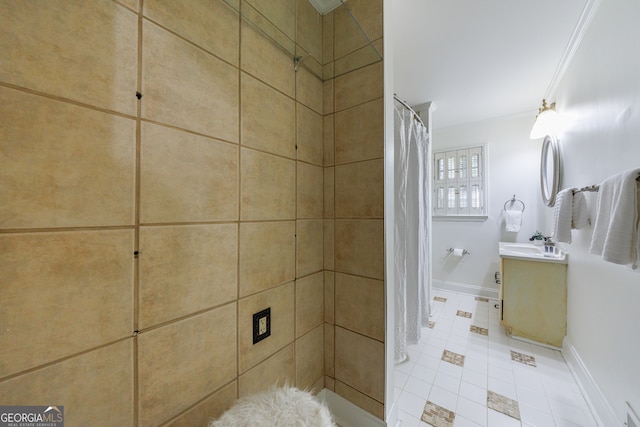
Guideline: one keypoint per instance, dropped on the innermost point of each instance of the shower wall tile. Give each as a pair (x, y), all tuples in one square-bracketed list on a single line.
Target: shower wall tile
[(309, 307), (362, 57), (210, 408), (281, 302), (359, 246), (131, 4), (267, 255), (329, 296), (101, 55), (329, 191), (214, 26), (309, 90), (362, 400), (309, 135), (268, 118), (309, 191), (329, 349), (102, 395), (309, 29), (329, 139), (185, 269), (358, 189), (186, 177), (359, 86), (360, 133), (310, 248), (58, 156), (268, 186), (329, 244), (277, 370), (359, 363), (263, 59), (348, 36), (327, 96), (79, 284), (310, 358), (360, 305), (327, 38), (191, 356), (281, 13), (187, 87)]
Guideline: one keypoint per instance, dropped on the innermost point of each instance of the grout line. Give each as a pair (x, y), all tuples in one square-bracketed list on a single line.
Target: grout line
[(136, 260)]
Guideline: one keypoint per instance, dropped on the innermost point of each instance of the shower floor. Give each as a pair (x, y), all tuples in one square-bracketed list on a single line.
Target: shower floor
[(466, 372)]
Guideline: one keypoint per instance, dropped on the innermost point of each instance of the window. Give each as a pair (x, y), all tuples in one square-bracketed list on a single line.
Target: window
[(459, 183)]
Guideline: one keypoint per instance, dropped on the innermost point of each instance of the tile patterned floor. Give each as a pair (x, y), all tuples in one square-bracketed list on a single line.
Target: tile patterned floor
[(466, 372)]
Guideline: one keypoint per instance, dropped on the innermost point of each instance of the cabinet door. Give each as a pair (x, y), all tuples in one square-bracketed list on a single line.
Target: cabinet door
[(534, 300)]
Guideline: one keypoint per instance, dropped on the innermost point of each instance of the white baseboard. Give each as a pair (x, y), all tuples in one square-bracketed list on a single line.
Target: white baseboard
[(465, 288), (601, 410), (346, 414)]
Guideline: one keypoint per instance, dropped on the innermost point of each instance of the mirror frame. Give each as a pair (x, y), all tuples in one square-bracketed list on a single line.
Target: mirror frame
[(550, 157)]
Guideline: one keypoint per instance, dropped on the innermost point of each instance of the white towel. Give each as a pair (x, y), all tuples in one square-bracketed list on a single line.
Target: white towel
[(615, 232), (562, 216), (513, 219), (579, 213)]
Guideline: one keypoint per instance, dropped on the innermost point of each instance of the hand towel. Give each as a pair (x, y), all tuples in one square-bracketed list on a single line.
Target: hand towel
[(579, 212), (615, 232), (513, 219), (562, 216)]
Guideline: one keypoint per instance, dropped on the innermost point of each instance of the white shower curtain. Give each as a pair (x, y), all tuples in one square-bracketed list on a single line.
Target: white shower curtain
[(411, 228)]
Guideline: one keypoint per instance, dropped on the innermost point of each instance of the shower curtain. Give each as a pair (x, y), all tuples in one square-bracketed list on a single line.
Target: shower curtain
[(411, 228)]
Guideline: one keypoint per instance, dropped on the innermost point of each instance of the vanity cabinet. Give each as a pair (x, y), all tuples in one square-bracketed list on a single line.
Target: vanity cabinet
[(533, 299)]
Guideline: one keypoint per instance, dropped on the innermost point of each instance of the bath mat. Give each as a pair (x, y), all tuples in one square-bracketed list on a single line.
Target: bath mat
[(278, 407)]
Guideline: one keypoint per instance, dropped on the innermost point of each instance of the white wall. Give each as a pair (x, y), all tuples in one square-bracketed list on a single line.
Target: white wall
[(513, 168), (599, 97)]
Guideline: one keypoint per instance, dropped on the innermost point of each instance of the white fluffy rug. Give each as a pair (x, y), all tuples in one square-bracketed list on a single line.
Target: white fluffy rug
[(279, 407)]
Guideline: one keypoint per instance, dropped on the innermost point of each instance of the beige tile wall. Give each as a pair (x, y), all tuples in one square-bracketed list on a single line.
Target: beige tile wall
[(138, 236), (354, 212)]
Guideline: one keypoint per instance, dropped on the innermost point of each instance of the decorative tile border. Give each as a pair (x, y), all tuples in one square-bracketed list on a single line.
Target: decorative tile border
[(479, 330), (431, 325), (464, 314), (523, 358), (482, 299), (454, 358), (440, 299), (503, 404), (437, 416)]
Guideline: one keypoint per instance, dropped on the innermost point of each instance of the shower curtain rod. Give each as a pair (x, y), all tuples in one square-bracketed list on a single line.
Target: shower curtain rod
[(405, 105)]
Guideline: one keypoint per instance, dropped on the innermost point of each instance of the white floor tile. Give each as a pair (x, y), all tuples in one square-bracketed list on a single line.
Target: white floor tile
[(476, 378), (425, 374), (400, 378), (411, 404), (547, 394), (447, 382), (472, 410), (443, 398), (450, 369), (408, 420), (461, 421), (533, 416), (473, 392), (498, 419), (418, 387)]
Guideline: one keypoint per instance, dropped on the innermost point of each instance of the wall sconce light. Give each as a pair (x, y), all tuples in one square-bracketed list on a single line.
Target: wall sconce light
[(546, 121)]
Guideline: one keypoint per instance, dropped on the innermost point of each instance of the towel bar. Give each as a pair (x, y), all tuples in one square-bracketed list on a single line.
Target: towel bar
[(512, 201)]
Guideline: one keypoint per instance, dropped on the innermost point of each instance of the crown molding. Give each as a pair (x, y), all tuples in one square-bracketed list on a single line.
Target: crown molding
[(575, 40)]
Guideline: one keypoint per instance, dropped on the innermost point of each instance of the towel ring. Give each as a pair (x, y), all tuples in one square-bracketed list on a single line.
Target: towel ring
[(512, 201)]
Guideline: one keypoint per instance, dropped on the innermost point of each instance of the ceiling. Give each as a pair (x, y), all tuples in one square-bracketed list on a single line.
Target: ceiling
[(477, 60)]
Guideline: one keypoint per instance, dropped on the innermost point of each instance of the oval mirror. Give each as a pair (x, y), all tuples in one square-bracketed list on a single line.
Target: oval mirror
[(549, 170)]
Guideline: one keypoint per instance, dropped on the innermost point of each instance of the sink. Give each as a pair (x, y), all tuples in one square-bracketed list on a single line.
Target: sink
[(531, 252)]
